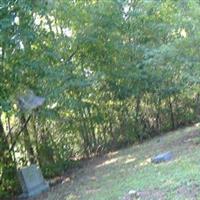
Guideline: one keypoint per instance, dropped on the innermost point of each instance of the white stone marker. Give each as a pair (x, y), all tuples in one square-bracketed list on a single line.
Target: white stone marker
[(32, 181)]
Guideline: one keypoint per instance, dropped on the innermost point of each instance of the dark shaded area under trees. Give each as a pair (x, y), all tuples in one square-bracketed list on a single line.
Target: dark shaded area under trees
[(112, 72)]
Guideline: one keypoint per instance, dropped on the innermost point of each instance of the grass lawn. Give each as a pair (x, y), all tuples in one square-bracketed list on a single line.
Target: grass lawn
[(112, 176)]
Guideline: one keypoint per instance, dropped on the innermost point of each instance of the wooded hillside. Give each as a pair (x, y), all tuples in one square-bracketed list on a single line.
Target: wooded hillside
[(112, 72)]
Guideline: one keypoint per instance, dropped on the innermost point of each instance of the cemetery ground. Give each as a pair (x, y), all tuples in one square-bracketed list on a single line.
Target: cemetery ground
[(112, 176)]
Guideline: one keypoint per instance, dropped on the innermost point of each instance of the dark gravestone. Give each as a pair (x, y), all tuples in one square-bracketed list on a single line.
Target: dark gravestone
[(163, 157), (32, 181)]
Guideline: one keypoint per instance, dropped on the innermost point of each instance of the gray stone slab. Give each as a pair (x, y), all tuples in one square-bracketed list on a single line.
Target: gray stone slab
[(30, 101), (163, 157), (32, 181)]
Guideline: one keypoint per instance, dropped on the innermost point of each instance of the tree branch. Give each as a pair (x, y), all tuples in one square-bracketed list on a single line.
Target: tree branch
[(18, 134)]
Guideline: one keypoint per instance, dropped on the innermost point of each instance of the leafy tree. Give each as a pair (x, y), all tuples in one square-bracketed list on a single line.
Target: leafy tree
[(112, 73)]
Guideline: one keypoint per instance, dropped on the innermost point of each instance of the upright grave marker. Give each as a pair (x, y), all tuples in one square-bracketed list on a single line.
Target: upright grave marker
[(32, 181)]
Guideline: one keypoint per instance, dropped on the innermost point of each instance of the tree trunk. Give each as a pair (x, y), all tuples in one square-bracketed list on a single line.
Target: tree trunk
[(92, 129), (171, 114), (158, 120), (7, 164), (137, 124), (27, 141), (84, 134)]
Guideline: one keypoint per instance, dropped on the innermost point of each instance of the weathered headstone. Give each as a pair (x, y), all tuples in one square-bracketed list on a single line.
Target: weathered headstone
[(163, 157), (32, 181)]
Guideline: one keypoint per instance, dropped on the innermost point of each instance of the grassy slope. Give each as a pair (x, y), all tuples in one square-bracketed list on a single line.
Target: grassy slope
[(111, 177)]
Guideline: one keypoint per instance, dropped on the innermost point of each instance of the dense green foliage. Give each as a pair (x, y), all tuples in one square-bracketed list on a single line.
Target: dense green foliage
[(113, 72)]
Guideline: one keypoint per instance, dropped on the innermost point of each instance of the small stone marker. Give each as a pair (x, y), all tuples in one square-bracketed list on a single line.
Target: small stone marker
[(32, 181), (163, 157)]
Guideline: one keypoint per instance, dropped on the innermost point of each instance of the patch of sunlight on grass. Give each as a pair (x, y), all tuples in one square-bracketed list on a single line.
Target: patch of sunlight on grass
[(66, 180), (92, 191), (145, 162), (197, 125), (114, 153), (130, 160), (169, 182), (107, 162), (72, 197)]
